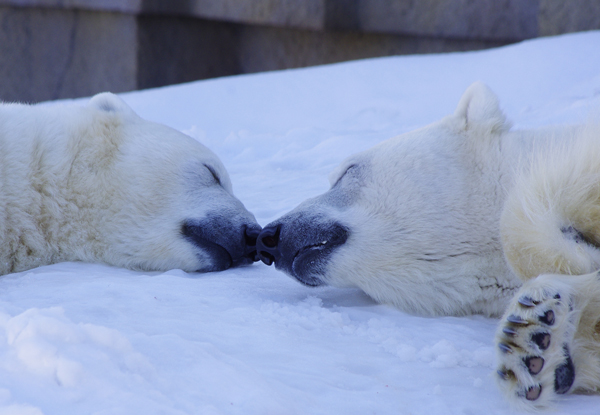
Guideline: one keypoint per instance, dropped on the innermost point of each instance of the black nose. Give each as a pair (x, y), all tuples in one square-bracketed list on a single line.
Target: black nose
[(267, 245), (250, 237)]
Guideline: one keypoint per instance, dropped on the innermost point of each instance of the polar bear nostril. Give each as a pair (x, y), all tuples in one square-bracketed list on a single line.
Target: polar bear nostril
[(266, 258), (269, 242), (251, 234), (267, 245), (250, 237)]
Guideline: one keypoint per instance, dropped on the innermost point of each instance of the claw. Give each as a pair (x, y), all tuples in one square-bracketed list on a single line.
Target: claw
[(505, 348), (509, 331), (506, 374), (526, 301), (517, 320)]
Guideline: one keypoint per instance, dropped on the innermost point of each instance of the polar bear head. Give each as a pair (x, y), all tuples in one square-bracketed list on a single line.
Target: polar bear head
[(411, 221), (101, 184)]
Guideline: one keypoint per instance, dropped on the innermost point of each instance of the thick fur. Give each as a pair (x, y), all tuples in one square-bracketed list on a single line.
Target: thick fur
[(551, 220), (422, 214), (416, 222), (551, 225), (571, 359), (100, 184)]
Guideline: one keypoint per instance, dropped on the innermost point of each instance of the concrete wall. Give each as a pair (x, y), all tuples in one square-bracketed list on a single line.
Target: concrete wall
[(53, 49), (49, 53)]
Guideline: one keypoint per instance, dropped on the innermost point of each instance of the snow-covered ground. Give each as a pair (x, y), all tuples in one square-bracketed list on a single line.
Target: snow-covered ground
[(90, 339)]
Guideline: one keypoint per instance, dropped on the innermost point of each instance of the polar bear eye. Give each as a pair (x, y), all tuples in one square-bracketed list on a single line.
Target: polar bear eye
[(350, 167), (214, 174)]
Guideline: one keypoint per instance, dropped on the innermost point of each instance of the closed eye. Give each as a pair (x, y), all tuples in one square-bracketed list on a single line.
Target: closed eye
[(343, 174), (214, 174)]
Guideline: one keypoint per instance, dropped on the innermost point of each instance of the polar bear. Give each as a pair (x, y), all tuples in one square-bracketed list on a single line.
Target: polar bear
[(98, 183), (416, 222), (549, 338)]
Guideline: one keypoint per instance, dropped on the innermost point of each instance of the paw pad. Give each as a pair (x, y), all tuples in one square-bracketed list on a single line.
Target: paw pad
[(565, 374), (533, 392), (541, 339), (533, 364), (548, 318)]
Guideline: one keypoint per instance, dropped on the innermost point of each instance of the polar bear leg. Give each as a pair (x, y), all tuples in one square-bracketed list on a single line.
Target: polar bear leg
[(548, 340)]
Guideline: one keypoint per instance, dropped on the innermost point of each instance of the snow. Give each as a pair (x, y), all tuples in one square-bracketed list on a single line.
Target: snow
[(91, 339)]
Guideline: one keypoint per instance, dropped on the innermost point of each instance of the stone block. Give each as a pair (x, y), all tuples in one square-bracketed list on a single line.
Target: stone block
[(51, 49), (172, 49), (264, 48), (307, 14), (500, 20), (49, 54), (560, 16)]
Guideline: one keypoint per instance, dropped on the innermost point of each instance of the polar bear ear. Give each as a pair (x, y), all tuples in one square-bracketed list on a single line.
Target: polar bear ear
[(109, 102), (479, 108)]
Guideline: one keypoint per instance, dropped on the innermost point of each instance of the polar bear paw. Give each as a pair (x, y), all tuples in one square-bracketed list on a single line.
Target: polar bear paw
[(534, 340)]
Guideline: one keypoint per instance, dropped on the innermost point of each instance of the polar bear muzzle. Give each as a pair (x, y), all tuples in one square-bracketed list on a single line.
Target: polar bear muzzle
[(227, 245), (301, 246)]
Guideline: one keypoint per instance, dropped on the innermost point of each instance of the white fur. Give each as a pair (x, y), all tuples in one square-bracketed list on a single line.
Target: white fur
[(575, 302), (100, 184), (561, 190), (551, 225), (425, 228), (424, 232)]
